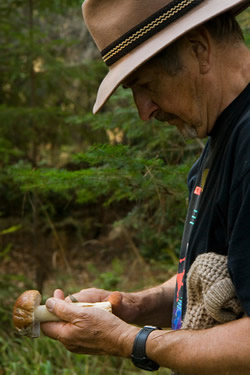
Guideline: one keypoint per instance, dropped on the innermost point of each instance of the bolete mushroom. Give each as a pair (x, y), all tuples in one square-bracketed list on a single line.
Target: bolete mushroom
[(28, 313)]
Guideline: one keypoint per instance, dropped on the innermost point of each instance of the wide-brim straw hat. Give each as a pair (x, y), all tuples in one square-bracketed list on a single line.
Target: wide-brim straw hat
[(130, 32)]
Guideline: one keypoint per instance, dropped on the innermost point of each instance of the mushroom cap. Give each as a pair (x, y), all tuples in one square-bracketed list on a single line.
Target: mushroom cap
[(23, 311)]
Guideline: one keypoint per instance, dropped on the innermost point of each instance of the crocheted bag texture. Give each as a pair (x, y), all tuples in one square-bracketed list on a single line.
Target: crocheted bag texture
[(211, 296)]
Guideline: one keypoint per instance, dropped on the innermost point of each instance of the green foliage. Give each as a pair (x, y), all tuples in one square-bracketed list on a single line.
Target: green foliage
[(115, 172), (118, 173), (12, 229), (5, 252), (46, 357), (243, 19), (110, 280)]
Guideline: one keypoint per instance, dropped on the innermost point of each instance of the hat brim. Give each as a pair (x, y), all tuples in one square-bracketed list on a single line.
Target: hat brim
[(134, 59)]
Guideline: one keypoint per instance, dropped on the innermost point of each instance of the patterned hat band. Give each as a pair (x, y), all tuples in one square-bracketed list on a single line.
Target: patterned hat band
[(146, 29)]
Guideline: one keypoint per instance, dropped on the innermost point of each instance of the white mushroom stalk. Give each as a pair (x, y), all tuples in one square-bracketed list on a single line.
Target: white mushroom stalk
[(28, 313), (41, 314)]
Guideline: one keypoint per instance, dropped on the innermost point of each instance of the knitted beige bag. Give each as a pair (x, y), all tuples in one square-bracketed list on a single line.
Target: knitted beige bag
[(211, 296)]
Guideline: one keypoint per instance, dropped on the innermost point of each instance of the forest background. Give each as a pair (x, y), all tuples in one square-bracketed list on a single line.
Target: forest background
[(85, 200)]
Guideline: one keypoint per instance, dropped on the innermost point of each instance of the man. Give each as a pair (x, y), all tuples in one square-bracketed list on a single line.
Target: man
[(186, 63)]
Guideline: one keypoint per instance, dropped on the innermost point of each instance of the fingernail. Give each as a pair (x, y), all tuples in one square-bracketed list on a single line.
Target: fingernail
[(73, 299), (50, 304)]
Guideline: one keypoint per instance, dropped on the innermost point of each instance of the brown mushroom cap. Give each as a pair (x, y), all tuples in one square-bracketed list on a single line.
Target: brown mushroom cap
[(23, 311)]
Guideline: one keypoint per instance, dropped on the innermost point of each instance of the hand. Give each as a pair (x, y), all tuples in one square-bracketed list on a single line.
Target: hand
[(88, 330), (124, 305)]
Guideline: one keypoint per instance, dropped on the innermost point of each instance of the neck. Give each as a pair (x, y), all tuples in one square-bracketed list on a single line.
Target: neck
[(232, 75), (236, 76)]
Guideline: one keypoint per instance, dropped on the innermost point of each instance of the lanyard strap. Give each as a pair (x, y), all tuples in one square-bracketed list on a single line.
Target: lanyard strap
[(191, 217)]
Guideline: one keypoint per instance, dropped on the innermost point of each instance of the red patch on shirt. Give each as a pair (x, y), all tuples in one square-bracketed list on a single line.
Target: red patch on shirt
[(198, 190)]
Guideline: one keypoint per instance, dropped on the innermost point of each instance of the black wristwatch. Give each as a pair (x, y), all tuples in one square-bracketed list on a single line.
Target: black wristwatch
[(138, 356)]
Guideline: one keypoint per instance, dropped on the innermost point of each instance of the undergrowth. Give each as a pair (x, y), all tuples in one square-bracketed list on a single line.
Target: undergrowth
[(43, 356)]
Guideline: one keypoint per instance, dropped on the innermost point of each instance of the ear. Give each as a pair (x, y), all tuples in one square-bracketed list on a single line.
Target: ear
[(200, 41)]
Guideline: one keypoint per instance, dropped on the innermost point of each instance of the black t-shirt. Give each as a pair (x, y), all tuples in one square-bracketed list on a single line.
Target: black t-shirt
[(222, 216)]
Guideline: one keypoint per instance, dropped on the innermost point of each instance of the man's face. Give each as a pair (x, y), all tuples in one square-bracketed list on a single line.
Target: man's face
[(176, 99)]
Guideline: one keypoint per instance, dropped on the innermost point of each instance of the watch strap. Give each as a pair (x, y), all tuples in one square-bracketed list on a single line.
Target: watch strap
[(138, 356)]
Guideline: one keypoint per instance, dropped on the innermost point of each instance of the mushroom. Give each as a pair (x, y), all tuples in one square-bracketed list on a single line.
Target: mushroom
[(28, 313)]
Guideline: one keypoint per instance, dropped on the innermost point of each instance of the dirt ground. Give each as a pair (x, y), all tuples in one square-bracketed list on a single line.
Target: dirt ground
[(63, 261)]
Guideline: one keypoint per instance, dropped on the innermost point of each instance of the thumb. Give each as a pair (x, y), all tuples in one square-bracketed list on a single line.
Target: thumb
[(115, 298), (63, 310)]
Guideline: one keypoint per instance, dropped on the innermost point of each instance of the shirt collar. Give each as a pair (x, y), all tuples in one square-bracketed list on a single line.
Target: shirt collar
[(232, 113)]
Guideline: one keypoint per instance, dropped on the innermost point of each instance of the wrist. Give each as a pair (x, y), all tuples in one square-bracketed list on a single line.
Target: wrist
[(126, 340), (153, 306), (139, 356)]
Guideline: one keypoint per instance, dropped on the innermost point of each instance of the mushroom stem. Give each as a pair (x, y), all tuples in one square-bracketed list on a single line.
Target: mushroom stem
[(41, 314)]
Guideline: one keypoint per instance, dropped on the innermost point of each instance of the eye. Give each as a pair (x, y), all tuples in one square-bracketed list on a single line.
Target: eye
[(146, 85)]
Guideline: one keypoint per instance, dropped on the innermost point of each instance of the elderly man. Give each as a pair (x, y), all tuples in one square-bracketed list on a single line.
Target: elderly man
[(186, 63)]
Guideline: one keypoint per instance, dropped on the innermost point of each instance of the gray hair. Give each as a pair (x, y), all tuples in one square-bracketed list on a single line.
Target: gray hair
[(223, 29)]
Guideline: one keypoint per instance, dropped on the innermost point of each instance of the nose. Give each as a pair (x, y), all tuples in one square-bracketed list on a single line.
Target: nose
[(145, 106)]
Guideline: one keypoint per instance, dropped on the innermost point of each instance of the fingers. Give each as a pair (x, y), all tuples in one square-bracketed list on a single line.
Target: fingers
[(72, 298), (58, 293), (66, 312), (93, 295), (80, 329), (54, 330), (63, 310), (85, 330), (90, 295)]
